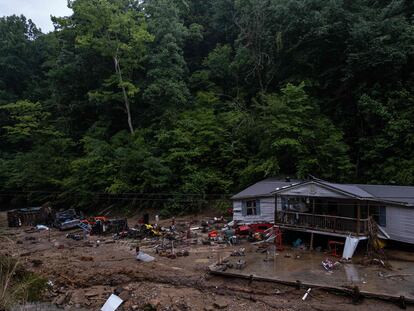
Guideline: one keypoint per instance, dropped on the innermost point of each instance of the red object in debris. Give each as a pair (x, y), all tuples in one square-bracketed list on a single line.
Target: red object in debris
[(91, 221), (332, 245), (101, 218), (244, 228), (260, 228), (213, 234)]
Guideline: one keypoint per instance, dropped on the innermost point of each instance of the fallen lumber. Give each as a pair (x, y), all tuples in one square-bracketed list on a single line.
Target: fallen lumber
[(397, 275), (298, 284)]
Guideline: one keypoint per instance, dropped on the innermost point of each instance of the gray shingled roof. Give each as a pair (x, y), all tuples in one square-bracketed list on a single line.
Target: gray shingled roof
[(354, 190), (401, 194), (398, 194), (263, 188)]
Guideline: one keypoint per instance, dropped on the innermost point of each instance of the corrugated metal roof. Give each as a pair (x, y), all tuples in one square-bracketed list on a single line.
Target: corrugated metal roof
[(264, 188)]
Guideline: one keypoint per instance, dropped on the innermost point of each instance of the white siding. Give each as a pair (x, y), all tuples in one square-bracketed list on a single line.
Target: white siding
[(400, 224), (267, 211)]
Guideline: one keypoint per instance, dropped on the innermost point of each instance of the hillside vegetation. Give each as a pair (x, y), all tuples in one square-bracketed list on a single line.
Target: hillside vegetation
[(199, 98)]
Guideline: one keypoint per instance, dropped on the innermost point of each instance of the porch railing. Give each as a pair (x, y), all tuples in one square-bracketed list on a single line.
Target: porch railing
[(327, 223)]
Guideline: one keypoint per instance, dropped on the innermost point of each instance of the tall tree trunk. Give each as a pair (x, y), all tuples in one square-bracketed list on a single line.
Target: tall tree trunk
[(126, 100)]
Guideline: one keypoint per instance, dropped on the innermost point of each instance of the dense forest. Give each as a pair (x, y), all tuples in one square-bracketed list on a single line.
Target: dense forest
[(159, 100)]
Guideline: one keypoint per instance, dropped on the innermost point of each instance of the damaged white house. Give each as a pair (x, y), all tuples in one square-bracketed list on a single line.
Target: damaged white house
[(320, 207)]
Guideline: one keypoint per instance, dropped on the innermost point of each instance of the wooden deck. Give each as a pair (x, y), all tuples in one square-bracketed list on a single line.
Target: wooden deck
[(326, 223)]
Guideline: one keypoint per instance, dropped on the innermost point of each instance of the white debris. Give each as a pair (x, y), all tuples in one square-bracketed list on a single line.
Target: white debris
[(141, 256), (351, 244), (112, 303), (306, 294)]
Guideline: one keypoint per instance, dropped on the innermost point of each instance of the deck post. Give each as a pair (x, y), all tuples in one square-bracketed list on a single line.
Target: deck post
[(358, 218), (313, 210), (311, 242), (276, 216), (313, 219)]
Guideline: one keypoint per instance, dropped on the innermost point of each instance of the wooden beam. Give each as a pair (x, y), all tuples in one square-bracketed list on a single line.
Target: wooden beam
[(336, 289), (276, 214), (358, 219), (311, 241)]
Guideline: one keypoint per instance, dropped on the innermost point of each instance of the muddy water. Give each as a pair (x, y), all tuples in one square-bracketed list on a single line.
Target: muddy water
[(306, 267)]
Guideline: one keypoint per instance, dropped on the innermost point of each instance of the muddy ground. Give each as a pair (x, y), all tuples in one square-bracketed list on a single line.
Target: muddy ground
[(84, 274)]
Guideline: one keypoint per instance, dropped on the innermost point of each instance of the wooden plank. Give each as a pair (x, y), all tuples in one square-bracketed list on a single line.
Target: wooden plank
[(329, 288)]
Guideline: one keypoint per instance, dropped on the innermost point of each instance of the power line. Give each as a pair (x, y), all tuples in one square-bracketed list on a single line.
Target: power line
[(127, 194), (113, 194)]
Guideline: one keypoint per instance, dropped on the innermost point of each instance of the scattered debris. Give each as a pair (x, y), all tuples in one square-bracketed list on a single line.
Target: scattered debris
[(239, 252), (67, 219), (329, 265), (29, 216), (74, 236), (240, 264), (173, 242)]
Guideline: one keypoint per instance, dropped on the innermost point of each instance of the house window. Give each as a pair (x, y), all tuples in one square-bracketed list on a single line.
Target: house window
[(251, 207), (382, 216), (379, 213)]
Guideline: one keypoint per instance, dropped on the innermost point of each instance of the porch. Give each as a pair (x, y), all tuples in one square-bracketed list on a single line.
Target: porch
[(325, 223), (328, 208)]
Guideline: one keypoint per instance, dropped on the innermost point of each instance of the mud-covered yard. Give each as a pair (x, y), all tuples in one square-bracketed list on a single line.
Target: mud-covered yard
[(83, 274)]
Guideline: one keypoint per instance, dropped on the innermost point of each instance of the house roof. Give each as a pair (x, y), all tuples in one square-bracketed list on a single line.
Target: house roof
[(402, 194), (349, 188), (386, 193), (264, 188)]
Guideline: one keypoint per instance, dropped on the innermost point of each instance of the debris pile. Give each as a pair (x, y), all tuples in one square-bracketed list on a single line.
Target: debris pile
[(29, 216)]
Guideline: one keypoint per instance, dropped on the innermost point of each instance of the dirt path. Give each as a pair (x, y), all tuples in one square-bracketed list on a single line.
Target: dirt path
[(84, 274)]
